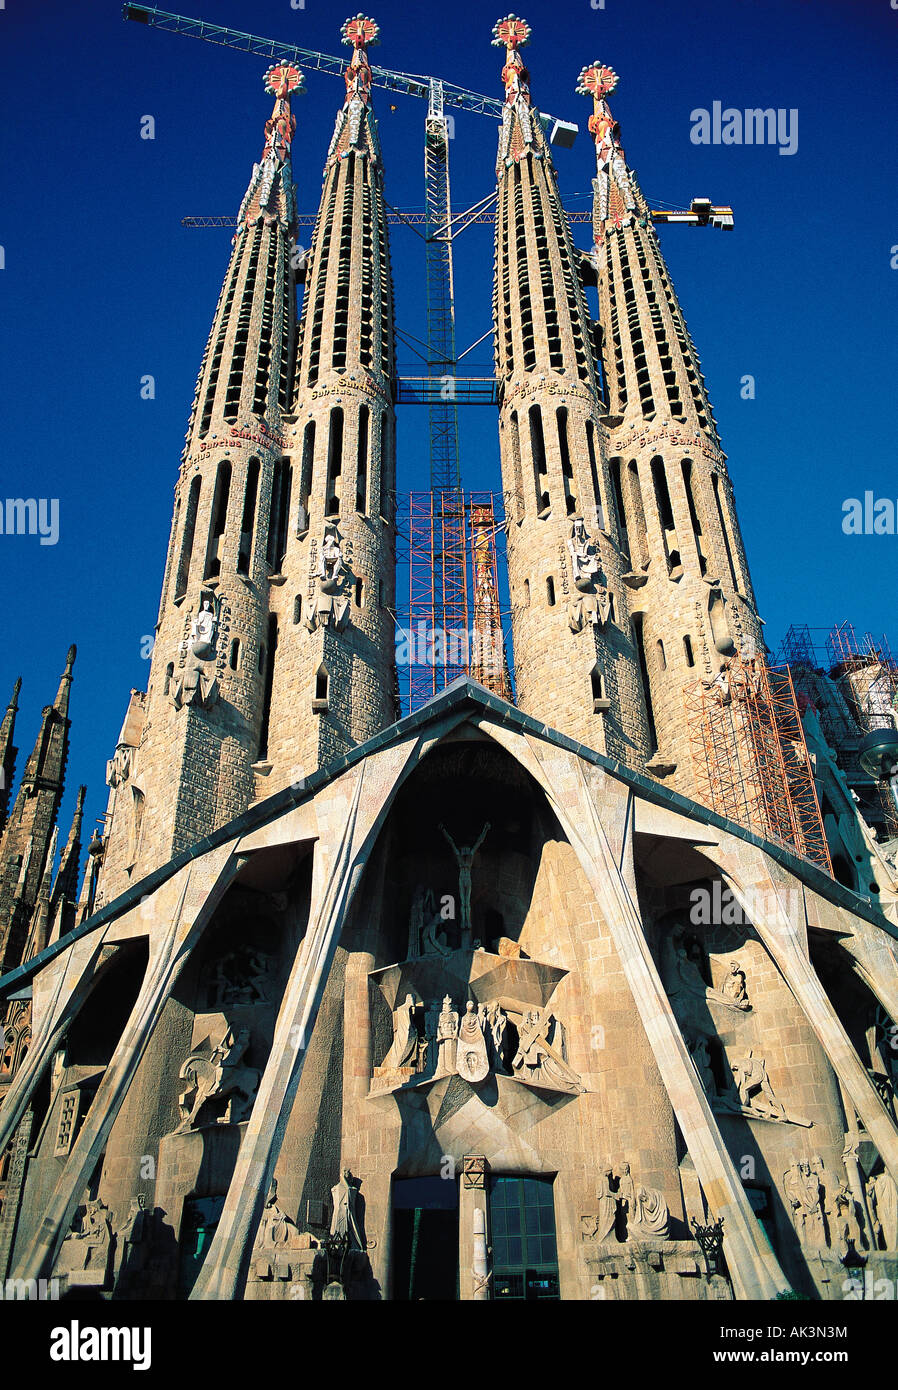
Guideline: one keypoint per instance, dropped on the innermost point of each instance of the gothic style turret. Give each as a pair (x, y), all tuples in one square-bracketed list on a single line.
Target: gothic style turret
[(333, 681), (576, 659), (28, 833), (691, 596), (186, 765), (7, 751)]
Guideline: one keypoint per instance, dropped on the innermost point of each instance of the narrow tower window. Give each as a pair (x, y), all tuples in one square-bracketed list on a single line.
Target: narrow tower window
[(361, 476), (597, 687), (693, 515), (305, 478), (269, 686), (322, 690), (281, 486), (193, 500), (594, 474), (567, 472), (516, 468), (666, 516), (538, 455), (234, 655), (662, 659), (249, 517), (639, 635), (169, 672), (297, 608), (622, 520), (687, 649), (334, 463), (219, 520), (550, 591), (724, 529)]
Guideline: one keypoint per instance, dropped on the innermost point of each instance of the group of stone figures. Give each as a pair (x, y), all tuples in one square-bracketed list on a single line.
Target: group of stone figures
[(529, 1045), (627, 1210), (94, 1255), (751, 1093), (827, 1215)]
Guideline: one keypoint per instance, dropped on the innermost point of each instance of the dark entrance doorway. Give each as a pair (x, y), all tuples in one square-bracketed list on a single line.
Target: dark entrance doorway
[(425, 1239)]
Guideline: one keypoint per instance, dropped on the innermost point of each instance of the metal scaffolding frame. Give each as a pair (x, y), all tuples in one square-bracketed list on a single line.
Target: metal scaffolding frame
[(750, 756)]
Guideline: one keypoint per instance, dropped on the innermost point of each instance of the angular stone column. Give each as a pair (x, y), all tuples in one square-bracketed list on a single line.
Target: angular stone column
[(199, 887), (758, 888), (754, 1268), (366, 792)]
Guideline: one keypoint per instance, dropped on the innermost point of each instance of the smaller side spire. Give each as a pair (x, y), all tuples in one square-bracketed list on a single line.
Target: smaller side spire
[(61, 703), (65, 889), (269, 197), (7, 751), (615, 197), (355, 128), (39, 931), (521, 134)]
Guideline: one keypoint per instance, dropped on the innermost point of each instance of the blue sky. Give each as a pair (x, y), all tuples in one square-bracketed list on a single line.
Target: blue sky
[(102, 285)]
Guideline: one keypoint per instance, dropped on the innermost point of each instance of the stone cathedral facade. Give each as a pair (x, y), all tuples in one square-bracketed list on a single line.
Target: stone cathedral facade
[(479, 1003)]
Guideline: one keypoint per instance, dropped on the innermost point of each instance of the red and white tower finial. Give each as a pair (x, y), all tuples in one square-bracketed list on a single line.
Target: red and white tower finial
[(358, 33), (282, 80), (512, 33), (614, 191)]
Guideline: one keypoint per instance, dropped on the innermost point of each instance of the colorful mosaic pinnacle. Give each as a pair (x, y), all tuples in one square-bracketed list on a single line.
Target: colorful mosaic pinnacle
[(511, 32), (360, 31), (597, 81), (283, 80)]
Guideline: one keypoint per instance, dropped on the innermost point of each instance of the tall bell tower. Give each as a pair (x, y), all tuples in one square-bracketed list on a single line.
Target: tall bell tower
[(576, 657), (333, 683), (187, 757), (689, 591)]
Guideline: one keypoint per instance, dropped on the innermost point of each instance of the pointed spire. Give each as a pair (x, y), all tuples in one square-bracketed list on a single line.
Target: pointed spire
[(40, 922), (7, 751), (65, 889), (61, 703), (615, 199), (270, 193), (521, 134), (356, 128)]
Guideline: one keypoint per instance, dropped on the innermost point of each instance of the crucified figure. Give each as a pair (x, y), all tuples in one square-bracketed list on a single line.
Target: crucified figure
[(464, 857)]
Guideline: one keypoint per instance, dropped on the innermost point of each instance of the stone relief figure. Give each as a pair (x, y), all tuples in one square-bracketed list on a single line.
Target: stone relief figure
[(330, 604), (753, 1084), (447, 1039), (541, 1057), (683, 977), (239, 978), (464, 857), (203, 632), (404, 1049), (700, 1051), (85, 1254), (472, 1060), (345, 1220), (640, 1211), (593, 602), (607, 1199), (219, 1073), (734, 988), (498, 1024), (652, 1217), (802, 1189), (887, 1209)]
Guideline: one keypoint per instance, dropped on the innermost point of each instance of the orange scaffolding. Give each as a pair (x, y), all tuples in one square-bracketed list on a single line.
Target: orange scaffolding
[(454, 617), (750, 757), (488, 661)]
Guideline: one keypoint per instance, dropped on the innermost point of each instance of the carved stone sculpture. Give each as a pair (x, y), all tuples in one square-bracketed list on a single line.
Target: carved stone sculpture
[(498, 1024), (652, 1217), (887, 1209), (447, 1039), (345, 1221), (541, 1057), (472, 1060), (464, 857), (607, 1212), (85, 1255), (330, 604), (196, 682), (219, 1073), (734, 988), (404, 1049), (701, 1056), (239, 978), (755, 1090)]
